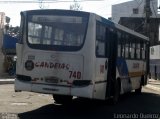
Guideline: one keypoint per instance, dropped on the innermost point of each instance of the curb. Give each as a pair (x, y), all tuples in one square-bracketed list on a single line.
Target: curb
[(7, 81), (152, 87)]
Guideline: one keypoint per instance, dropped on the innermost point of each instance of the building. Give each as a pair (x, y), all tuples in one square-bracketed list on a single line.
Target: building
[(145, 19), (132, 14), (134, 9)]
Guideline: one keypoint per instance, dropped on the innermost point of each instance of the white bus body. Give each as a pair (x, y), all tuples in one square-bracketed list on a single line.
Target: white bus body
[(86, 68)]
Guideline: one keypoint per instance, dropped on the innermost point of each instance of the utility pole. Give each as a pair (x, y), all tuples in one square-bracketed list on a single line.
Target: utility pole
[(147, 11)]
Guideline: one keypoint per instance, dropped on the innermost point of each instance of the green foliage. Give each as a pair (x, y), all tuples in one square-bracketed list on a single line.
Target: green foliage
[(75, 6)]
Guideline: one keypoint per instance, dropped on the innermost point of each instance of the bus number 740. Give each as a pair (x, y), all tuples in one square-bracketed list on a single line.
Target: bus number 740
[(75, 74)]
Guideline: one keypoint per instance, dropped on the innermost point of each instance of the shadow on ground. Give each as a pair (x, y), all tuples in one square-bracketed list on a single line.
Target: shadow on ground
[(131, 103)]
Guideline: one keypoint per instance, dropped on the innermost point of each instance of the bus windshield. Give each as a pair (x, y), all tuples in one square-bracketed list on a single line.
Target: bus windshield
[(57, 31)]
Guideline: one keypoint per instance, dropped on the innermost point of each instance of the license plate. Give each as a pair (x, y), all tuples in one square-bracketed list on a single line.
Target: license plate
[(51, 79)]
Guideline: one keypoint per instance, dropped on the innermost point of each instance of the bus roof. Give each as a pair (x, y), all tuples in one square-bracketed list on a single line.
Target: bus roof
[(56, 11), (102, 19), (120, 27), (131, 31)]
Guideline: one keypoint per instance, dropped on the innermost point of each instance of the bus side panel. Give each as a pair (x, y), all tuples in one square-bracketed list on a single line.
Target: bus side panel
[(83, 91), (22, 86), (100, 90), (88, 52), (19, 52), (136, 69), (51, 89), (101, 79), (130, 72)]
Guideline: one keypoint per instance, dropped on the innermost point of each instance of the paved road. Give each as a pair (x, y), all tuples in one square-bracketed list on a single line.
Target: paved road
[(18, 102), (26, 105)]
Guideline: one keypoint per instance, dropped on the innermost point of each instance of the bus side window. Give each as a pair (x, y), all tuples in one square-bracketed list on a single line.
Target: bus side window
[(126, 47), (58, 38), (47, 35), (100, 40), (138, 50), (135, 49), (143, 50), (129, 49), (34, 33), (132, 50), (123, 46), (100, 48), (119, 44)]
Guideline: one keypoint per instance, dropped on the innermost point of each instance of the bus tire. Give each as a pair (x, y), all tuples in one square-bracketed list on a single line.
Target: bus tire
[(149, 75), (62, 99), (139, 90), (117, 90)]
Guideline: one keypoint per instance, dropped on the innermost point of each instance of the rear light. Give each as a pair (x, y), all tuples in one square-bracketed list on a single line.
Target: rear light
[(81, 82), (23, 78)]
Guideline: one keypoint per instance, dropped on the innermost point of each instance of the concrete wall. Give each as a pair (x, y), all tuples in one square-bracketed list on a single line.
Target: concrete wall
[(123, 14), (2, 23), (155, 52), (126, 9)]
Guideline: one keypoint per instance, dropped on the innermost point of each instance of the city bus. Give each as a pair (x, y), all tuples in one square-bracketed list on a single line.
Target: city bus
[(70, 54)]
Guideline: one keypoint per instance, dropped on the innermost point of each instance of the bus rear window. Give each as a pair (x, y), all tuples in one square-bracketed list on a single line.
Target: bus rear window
[(57, 31)]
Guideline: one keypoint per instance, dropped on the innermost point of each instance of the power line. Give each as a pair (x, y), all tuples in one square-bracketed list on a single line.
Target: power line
[(46, 1), (154, 10)]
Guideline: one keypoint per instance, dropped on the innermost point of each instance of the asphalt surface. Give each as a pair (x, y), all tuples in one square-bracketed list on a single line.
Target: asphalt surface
[(29, 105)]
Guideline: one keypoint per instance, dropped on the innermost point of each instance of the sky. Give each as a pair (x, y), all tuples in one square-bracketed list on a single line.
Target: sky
[(100, 7)]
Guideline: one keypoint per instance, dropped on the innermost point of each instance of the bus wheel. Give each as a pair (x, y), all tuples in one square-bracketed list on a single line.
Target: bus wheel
[(117, 90), (149, 75), (62, 99), (139, 90)]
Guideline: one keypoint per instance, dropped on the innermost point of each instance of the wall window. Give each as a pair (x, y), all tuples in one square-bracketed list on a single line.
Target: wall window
[(135, 10), (152, 50)]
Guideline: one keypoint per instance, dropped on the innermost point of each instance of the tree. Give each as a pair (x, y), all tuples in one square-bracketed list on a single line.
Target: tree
[(75, 6), (41, 4)]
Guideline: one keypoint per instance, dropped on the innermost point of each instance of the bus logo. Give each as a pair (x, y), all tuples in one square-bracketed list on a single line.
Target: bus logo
[(29, 65), (53, 56)]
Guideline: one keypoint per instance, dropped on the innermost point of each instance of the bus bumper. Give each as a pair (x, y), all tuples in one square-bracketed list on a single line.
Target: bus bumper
[(79, 91), (22, 86)]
